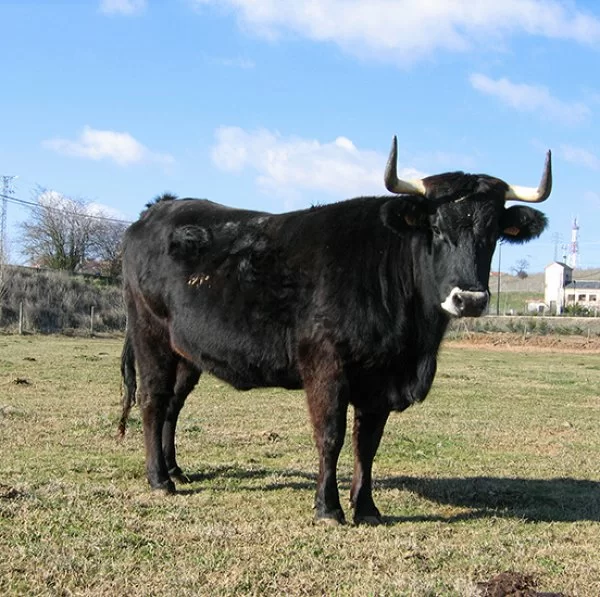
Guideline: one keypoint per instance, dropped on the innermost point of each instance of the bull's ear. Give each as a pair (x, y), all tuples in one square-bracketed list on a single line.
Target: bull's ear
[(187, 242), (520, 224), (403, 214)]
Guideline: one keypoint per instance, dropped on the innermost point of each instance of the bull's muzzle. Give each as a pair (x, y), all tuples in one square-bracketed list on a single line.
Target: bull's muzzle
[(466, 303)]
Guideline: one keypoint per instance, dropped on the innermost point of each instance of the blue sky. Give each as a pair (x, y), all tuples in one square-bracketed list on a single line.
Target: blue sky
[(275, 105)]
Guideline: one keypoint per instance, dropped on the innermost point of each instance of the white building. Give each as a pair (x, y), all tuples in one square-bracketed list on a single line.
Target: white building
[(583, 292), (562, 291), (557, 276)]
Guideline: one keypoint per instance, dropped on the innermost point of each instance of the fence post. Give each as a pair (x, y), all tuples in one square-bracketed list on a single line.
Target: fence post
[(92, 321), (21, 318)]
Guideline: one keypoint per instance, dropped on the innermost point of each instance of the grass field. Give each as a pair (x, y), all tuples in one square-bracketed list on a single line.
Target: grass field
[(499, 470)]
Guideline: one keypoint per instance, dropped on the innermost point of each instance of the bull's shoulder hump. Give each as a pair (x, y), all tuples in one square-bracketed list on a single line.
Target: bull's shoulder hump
[(206, 208), (189, 211)]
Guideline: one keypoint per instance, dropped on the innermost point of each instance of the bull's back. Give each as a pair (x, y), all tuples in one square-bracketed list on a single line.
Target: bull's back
[(219, 281)]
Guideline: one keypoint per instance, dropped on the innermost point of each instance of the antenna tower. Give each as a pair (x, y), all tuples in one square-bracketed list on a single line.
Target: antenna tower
[(7, 191), (573, 258)]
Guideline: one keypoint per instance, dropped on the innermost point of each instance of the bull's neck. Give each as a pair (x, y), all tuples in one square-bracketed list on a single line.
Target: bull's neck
[(431, 320)]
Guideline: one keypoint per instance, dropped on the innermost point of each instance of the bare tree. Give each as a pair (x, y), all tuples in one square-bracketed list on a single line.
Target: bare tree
[(106, 246), (59, 233), (520, 269)]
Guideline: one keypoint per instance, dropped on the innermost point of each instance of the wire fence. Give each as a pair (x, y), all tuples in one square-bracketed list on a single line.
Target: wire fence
[(34, 300), (527, 325), (41, 301), (91, 325)]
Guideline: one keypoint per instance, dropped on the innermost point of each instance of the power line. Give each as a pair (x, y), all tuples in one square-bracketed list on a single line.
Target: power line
[(10, 199)]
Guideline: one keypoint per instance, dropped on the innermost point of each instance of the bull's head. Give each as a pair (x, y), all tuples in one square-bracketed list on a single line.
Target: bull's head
[(461, 217)]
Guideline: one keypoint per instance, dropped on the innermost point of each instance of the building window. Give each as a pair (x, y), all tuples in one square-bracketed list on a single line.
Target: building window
[(581, 298), (570, 298), (592, 298)]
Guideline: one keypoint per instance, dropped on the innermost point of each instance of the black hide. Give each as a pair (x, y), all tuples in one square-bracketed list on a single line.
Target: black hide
[(344, 300)]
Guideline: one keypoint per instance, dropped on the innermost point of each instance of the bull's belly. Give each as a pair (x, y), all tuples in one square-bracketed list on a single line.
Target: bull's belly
[(251, 362), (245, 375)]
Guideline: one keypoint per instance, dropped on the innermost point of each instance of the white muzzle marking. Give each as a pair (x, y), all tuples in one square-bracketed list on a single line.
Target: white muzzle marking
[(449, 305), (464, 302)]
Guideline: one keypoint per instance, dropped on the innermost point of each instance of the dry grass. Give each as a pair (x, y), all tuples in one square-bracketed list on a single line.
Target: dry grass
[(498, 470)]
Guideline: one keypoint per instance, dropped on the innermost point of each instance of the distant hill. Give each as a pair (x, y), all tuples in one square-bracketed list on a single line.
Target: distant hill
[(534, 283)]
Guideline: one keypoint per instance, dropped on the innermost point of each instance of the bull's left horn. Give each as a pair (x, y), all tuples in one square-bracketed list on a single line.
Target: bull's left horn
[(531, 194), (395, 185)]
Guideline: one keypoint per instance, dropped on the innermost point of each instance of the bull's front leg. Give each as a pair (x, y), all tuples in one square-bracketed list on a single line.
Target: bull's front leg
[(328, 415), (327, 397), (366, 435)]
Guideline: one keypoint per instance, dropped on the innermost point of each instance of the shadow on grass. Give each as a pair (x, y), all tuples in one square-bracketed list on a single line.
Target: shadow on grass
[(278, 479), (534, 500)]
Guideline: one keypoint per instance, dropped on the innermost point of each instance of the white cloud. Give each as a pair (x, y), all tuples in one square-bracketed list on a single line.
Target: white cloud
[(104, 211), (123, 7), (406, 31), (56, 200), (291, 164), (580, 157), (94, 144), (531, 98)]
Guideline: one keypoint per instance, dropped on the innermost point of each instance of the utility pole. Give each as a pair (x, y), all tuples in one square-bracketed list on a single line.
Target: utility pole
[(7, 191), (499, 276)]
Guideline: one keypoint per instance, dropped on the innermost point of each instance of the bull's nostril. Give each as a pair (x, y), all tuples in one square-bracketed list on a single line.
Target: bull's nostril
[(465, 303)]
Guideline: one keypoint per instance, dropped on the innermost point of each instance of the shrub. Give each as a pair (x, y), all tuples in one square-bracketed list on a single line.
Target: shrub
[(577, 311), (57, 301)]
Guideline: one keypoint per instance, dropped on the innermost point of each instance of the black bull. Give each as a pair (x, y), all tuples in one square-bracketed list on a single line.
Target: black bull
[(349, 301)]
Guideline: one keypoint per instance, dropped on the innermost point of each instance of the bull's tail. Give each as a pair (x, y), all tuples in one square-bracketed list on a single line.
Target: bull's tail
[(129, 382)]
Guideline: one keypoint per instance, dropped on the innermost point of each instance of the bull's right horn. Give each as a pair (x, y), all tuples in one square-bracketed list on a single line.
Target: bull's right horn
[(395, 185), (531, 194)]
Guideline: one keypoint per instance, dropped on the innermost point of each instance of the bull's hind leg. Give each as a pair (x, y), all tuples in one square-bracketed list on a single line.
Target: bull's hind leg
[(366, 435), (186, 379), (157, 365)]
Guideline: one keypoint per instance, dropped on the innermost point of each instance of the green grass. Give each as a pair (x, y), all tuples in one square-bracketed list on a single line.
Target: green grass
[(498, 469), (513, 301)]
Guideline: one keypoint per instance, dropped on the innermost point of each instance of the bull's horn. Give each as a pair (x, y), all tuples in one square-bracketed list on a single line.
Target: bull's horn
[(393, 184), (531, 194)]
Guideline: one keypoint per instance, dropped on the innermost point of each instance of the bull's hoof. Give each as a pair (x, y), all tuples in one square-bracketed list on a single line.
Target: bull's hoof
[(178, 475), (333, 519), (167, 487), (369, 519), (329, 522), (367, 514)]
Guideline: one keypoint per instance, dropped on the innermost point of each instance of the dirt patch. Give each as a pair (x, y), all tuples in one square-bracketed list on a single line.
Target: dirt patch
[(512, 583), (520, 343), (9, 493)]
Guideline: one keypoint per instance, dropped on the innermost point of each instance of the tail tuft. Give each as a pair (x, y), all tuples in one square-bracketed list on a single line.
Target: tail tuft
[(129, 383)]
